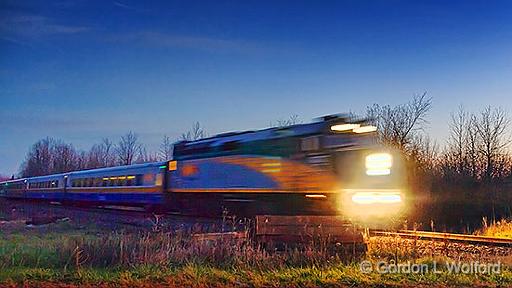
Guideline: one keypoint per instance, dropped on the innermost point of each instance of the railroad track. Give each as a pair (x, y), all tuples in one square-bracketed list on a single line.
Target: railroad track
[(446, 237)]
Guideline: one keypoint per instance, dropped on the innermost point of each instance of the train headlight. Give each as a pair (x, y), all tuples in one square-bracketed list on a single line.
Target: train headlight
[(344, 127), (376, 198), (379, 164)]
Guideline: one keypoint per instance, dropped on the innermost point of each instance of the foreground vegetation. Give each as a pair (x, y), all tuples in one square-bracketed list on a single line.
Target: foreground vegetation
[(192, 275), (62, 254)]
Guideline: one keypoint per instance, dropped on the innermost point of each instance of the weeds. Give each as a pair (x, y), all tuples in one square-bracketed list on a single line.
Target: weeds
[(501, 228), (178, 259)]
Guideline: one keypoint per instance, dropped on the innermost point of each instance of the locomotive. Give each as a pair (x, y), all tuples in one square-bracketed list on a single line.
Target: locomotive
[(333, 166)]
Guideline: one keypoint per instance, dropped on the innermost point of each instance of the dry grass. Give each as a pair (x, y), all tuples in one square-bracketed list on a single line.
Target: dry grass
[(501, 228), (176, 250), (402, 250), (176, 260)]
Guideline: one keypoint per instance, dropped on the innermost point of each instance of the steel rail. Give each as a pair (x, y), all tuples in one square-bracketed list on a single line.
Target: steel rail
[(473, 239)]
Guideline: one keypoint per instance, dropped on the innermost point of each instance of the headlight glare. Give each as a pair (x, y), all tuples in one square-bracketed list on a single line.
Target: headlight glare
[(379, 164)]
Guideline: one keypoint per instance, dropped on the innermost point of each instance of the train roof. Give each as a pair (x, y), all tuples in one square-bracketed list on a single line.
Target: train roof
[(271, 133), (116, 168), (13, 181), (89, 171)]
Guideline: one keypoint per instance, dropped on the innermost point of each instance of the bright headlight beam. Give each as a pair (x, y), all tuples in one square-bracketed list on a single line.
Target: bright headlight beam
[(365, 129), (378, 172), (379, 164), (376, 198), (344, 127)]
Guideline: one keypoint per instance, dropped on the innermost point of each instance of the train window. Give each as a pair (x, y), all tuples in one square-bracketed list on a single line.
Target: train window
[(125, 180), (138, 180), (310, 143), (131, 180), (230, 146)]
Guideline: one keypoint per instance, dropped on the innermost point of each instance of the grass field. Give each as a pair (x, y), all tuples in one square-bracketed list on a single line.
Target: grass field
[(67, 255)]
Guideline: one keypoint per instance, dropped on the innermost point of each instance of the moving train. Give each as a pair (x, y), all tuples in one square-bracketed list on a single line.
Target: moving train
[(332, 166)]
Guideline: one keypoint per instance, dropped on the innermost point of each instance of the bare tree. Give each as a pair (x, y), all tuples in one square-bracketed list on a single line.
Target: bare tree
[(472, 144), (109, 158), (166, 148), (38, 159), (195, 133), (292, 120), (63, 157), (101, 155), (492, 128), (81, 161), (458, 141), (144, 157), (396, 125), (425, 152), (127, 148)]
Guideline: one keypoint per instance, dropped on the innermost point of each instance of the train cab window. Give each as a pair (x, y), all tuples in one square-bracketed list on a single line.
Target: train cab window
[(104, 182), (230, 146), (310, 143)]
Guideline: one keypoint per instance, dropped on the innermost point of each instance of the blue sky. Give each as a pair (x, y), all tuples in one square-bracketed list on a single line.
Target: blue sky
[(84, 70)]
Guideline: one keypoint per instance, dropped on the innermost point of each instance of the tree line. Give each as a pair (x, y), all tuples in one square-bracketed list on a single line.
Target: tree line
[(466, 179), (53, 156)]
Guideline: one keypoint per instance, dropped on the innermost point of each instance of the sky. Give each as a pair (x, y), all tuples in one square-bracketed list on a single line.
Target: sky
[(84, 70)]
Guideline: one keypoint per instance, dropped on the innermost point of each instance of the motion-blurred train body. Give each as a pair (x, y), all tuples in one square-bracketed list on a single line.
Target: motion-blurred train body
[(329, 167)]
